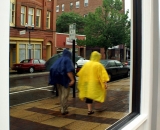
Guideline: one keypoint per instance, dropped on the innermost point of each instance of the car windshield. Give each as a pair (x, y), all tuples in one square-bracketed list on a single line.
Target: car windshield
[(25, 61), (104, 62)]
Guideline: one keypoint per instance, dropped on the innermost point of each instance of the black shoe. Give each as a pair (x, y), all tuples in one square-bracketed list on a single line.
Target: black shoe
[(90, 112), (65, 113)]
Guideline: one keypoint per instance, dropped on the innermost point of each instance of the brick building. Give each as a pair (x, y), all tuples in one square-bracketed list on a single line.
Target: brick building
[(38, 13)]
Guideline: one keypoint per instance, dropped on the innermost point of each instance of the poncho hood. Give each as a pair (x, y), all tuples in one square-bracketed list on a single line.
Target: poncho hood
[(67, 53), (95, 56)]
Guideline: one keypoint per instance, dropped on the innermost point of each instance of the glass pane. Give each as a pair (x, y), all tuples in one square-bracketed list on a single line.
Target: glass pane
[(37, 54), (37, 46), (38, 12), (30, 11), (22, 54), (13, 6), (37, 21), (30, 20), (22, 19), (22, 9)]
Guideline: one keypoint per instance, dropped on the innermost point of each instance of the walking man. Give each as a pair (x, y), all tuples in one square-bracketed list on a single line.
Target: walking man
[(62, 76)]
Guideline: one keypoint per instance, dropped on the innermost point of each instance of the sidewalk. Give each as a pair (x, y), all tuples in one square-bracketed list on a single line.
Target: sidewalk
[(45, 114)]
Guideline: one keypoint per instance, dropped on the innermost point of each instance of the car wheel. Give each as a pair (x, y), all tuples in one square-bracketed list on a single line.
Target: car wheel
[(127, 74), (31, 69), (110, 77)]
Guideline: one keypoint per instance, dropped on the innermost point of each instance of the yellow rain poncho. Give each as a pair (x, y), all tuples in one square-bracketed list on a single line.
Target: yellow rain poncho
[(92, 77)]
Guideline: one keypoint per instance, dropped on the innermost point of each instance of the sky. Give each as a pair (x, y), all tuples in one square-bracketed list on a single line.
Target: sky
[(128, 6)]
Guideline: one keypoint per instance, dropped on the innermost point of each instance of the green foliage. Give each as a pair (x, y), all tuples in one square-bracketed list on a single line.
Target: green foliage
[(65, 19), (108, 26)]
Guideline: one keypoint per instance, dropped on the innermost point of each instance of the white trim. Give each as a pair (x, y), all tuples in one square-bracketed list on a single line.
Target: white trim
[(4, 68), (135, 123)]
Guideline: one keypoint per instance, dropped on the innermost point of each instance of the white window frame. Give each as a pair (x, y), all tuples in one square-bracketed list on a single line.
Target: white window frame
[(30, 15), (38, 17), (23, 15), (48, 19), (85, 3), (57, 8), (62, 7), (77, 4), (12, 12)]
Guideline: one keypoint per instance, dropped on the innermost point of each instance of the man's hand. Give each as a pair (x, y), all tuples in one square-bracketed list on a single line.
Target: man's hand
[(71, 83), (70, 75)]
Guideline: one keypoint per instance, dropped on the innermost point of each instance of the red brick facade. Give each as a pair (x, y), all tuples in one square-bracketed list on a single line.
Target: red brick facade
[(42, 35), (82, 10)]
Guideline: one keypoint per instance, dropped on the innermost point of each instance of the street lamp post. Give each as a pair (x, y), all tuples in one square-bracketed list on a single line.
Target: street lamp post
[(29, 30)]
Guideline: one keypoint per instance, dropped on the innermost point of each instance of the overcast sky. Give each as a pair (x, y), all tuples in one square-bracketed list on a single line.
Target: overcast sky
[(128, 6)]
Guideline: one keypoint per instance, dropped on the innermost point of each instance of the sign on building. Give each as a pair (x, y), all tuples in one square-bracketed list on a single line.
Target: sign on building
[(22, 32), (72, 31)]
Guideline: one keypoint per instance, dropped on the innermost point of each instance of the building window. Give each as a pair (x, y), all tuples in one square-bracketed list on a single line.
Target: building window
[(48, 20), (30, 16), (12, 13), (38, 18), (57, 8), (37, 51), (85, 3), (23, 15), (77, 4), (71, 6), (62, 7), (24, 51)]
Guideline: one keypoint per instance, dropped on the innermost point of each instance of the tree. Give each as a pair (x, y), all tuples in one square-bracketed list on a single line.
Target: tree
[(65, 19), (108, 26)]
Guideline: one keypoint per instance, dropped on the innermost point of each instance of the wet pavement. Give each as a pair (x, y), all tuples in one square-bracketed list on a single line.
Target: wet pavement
[(45, 114)]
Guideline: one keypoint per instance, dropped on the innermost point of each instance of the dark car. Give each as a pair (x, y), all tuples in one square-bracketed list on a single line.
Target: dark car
[(50, 61), (30, 65), (114, 68), (127, 63)]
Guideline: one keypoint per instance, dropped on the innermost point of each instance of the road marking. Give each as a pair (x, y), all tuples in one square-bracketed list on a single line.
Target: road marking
[(30, 90)]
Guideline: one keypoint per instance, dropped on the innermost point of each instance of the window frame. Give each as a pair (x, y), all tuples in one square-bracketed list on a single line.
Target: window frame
[(57, 8), (12, 13), (77, 4), (62, 7), (32, 16), (86, 2), (48, 18), (137, 63), (39, 18), (24, 16), (71, 5)]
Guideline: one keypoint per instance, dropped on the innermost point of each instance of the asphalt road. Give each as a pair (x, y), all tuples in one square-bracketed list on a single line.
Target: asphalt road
[(28, 87)]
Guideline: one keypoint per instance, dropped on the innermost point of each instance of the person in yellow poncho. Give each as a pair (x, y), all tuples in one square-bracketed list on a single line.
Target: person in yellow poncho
[(92, 82)]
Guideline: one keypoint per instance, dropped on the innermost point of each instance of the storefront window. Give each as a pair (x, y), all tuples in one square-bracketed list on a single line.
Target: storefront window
[(22, 52)]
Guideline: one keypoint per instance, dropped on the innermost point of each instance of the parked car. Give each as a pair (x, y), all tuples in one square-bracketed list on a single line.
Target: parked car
[(81, 62), (30, 65), (114, 68)]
